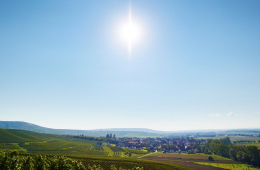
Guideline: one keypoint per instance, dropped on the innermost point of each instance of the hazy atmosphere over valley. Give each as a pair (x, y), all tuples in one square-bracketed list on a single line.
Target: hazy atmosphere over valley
[(162, 65)]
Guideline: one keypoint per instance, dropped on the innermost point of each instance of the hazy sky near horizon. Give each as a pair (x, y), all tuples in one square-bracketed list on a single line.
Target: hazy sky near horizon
[(196, 65)]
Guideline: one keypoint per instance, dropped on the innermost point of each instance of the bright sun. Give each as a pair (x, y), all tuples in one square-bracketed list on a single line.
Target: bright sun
[(130, 32)]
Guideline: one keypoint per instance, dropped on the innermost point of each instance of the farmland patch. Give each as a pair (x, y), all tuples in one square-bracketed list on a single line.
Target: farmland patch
[(188, 159), (229, 166)]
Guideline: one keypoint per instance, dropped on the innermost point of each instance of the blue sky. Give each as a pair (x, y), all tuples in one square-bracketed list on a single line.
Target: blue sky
[(196, 66)]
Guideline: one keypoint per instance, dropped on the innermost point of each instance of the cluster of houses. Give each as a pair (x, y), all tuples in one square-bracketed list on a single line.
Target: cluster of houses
[(158, 144)]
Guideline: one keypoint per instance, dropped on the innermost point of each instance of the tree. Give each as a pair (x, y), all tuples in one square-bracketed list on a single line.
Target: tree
[(213, 146), (239, 155), (203, 148), (210, 158), (232, 154), (223, 150), (254, 154), (206, 151), (225, 140), (246, 158)]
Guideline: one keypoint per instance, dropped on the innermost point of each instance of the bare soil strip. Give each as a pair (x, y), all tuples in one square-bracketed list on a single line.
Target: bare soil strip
[(147, 154)]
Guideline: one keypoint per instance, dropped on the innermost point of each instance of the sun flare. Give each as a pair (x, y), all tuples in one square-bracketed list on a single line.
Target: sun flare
[(130, 32)]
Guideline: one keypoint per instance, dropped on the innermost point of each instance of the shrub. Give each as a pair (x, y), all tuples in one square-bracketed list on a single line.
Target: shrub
[(210, 158)]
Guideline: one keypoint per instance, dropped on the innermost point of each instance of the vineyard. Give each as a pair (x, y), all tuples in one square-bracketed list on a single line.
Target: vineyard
[(18, 136), (46, 144), (12, 160), (136, 151), (108, 151)]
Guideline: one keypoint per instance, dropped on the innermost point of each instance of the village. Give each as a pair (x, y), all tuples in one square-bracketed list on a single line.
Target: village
[(170, 145)]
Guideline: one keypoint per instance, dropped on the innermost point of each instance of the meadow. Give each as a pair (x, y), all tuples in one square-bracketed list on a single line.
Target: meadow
[(229, 166)]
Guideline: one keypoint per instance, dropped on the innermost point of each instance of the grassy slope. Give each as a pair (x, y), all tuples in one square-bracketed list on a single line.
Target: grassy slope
[(18, 136)]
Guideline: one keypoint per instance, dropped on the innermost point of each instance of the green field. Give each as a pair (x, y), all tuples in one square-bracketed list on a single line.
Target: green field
[(243, 138), (247, 144), (229, 166)]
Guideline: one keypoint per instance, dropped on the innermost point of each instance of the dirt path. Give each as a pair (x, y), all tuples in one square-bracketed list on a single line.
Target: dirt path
[(147, 154)]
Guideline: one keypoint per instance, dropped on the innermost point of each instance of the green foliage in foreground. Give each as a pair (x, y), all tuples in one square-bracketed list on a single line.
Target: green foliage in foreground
[(12, 160), (229, 166), (94, 167)]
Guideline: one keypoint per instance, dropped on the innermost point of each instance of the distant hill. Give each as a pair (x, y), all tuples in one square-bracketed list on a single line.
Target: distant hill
[(135, 130), (99, 132)]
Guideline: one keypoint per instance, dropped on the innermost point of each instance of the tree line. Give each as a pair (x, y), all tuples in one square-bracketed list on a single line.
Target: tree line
[(110, 136), (246, 141), (223, 147)]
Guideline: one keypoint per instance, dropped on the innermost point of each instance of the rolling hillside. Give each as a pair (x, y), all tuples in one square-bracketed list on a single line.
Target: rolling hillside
[(49, 144), (36, 128)]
